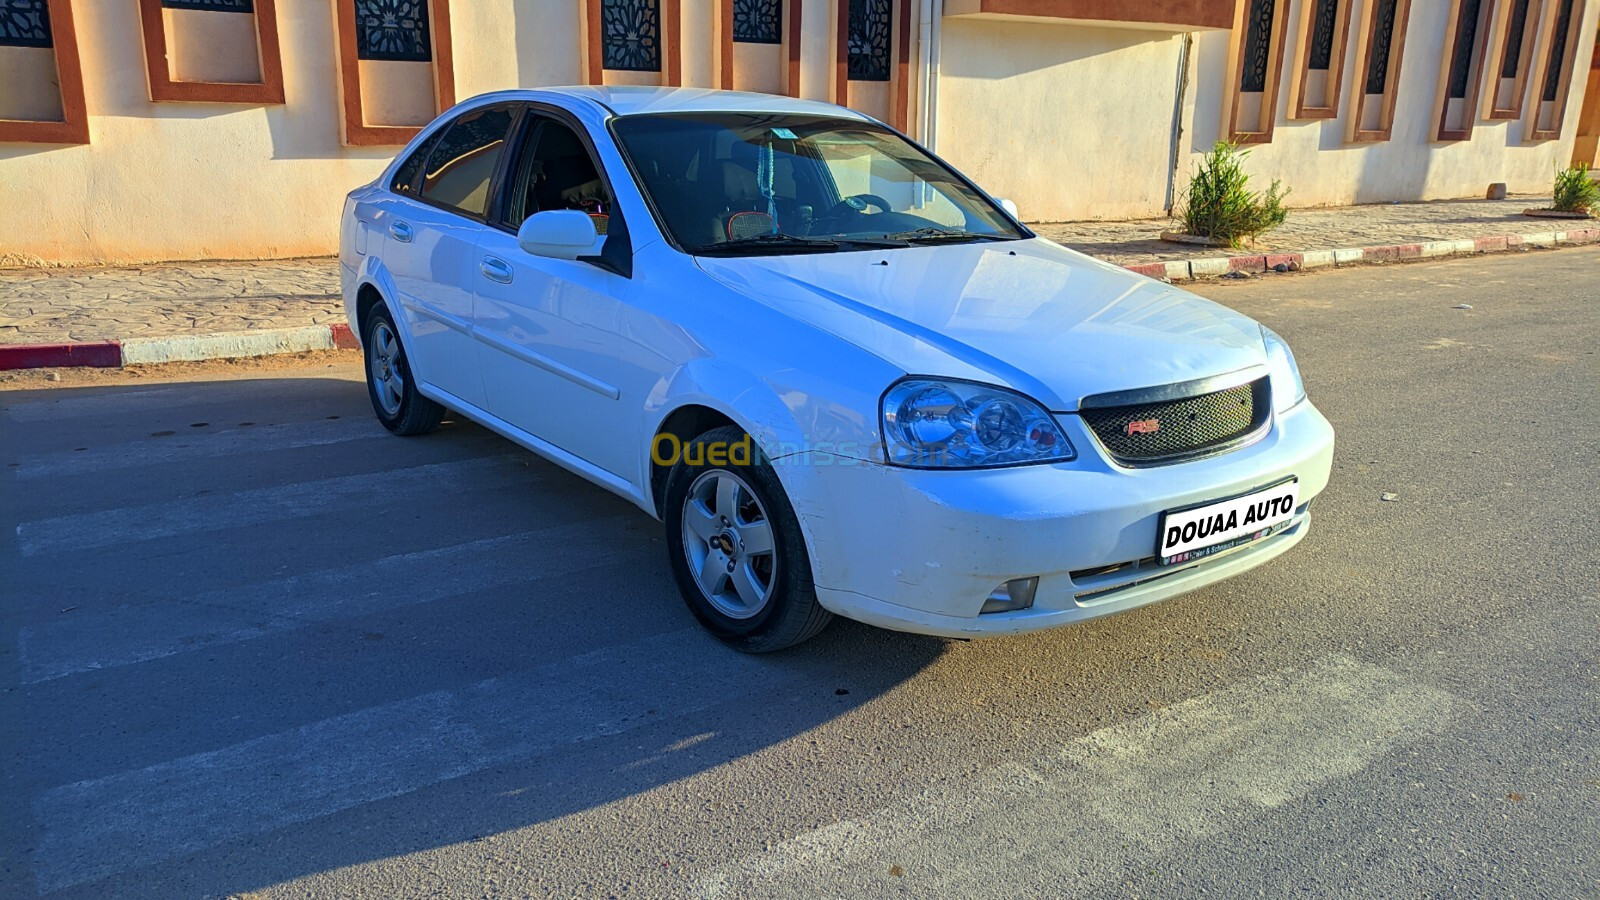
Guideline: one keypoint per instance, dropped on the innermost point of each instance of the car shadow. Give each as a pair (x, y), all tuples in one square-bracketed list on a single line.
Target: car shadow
[(297, 643)]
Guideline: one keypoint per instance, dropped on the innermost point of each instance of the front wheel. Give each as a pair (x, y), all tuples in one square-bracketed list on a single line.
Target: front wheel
[(736, 548), (390, 384)]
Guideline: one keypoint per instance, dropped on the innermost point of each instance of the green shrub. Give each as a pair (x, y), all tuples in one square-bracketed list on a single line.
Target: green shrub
[(1220, 205), (1576, 191)]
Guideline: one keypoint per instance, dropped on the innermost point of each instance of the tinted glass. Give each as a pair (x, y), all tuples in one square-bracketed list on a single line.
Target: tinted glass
[(463, 162), (720, 177), (405, 177), (556, 172)]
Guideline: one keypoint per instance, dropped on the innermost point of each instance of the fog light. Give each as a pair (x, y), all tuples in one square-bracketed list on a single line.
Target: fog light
[(1013, 595)]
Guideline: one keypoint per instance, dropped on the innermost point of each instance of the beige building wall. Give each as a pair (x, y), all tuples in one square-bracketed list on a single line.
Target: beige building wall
[(1067, 121), (233, 181), (1071, 121), (1314, 159)]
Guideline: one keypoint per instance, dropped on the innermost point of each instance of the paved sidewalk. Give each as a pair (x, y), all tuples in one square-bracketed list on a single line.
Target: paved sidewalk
[(156, 313), (1138, 242)]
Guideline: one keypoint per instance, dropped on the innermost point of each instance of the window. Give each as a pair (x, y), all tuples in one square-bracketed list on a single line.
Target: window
[(41, 94), (1550, 101), (758, 21), (556, 171), (405, 177), (1383, 40), (631, 35), (221, 51), (1260, 61), (463, 162), (714, 178), (1458, 105), (868, 39), (1515, 57), (396, 71), (1327, 28), (393, 30)]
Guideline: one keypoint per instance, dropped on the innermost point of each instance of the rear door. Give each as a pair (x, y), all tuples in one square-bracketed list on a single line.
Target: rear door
[(430, 237)]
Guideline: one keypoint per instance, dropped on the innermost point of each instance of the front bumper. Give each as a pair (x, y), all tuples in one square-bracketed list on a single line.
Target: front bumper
[(918, 550)]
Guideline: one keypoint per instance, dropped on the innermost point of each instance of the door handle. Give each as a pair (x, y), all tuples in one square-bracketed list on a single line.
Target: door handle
[(495, 269), (400, 231)]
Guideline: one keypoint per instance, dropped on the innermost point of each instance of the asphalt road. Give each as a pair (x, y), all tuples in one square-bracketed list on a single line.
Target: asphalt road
[(254, 644)]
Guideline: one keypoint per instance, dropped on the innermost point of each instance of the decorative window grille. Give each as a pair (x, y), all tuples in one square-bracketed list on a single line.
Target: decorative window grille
[(25, 23), (631, 35), (395, 30), (868, 39), (1382, 45), (1515, 29), (1257, 46), (1322, 28), (758, 21), (1461, 55), (1558, 53), (237, 6)]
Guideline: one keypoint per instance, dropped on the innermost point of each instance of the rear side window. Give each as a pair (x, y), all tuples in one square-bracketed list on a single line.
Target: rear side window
[(463, 162), (405, 177)]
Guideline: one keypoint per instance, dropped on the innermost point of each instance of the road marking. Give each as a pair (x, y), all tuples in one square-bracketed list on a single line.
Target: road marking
[(1073, 819), (213, 512), (199, 445), (127, 635), (106, 826)]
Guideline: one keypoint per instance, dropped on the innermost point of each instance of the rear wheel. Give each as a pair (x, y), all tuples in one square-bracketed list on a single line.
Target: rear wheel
[(737, 552), (390, 385)]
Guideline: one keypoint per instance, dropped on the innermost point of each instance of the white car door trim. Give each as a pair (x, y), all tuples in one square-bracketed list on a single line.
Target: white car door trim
[(606, 479), (548, 364), (438, 315)]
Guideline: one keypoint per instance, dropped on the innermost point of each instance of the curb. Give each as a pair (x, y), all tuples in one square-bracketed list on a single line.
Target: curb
[(271, 341), (1254, 264), (178, 348)]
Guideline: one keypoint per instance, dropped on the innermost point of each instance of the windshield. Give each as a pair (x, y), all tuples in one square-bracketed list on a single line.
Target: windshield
[(748, 183)]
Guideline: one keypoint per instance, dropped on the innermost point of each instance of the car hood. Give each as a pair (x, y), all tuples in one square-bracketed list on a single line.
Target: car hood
[(1032, 315)]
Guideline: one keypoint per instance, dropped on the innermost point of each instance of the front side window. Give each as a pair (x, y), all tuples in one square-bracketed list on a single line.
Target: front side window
[(757, 182), (555, 171), (463, 162)]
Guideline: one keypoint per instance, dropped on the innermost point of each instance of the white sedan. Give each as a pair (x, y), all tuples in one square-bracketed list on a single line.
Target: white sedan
[(846, 379)]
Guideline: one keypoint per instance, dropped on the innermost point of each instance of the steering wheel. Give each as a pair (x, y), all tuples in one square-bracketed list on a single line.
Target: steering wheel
[(857, 204)]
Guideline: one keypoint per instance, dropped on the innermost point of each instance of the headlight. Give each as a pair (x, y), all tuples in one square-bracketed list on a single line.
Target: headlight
[(960, 425), (1287, 389)]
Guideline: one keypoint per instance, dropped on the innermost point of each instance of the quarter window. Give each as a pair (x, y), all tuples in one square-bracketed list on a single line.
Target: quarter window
[(463, 162), (405, 177)]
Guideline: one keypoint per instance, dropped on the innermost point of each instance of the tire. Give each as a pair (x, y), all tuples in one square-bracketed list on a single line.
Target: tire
[(390, 386), (761, 597)]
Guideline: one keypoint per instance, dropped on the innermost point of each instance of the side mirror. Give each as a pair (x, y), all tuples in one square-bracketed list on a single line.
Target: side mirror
[(1009, 207), (559, 234)]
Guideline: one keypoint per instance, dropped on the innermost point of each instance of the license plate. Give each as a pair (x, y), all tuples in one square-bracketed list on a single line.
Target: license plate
[(1200, 531)]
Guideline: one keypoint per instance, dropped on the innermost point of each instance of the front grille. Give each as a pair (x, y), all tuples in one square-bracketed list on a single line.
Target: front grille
[(1170, 430)]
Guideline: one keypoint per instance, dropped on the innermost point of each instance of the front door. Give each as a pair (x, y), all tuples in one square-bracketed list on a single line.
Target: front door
[(553, 335), (431, 233)]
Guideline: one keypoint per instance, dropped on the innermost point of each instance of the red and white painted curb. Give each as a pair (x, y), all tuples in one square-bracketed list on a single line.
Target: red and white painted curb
[(178, 348), (1192, 269), (270, 341)]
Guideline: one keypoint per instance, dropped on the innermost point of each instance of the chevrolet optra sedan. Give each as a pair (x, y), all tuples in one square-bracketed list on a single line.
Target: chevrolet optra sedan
[(847, 380)]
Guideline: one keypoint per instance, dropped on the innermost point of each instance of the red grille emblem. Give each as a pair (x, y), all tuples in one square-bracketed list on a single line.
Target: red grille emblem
[(1144, 426)]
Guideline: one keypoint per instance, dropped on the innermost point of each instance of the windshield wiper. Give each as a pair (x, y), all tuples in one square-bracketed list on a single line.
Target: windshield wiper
[(945, 235), (768, 242)]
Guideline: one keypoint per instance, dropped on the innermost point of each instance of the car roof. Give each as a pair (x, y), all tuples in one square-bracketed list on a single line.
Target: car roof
[(627, 100)]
